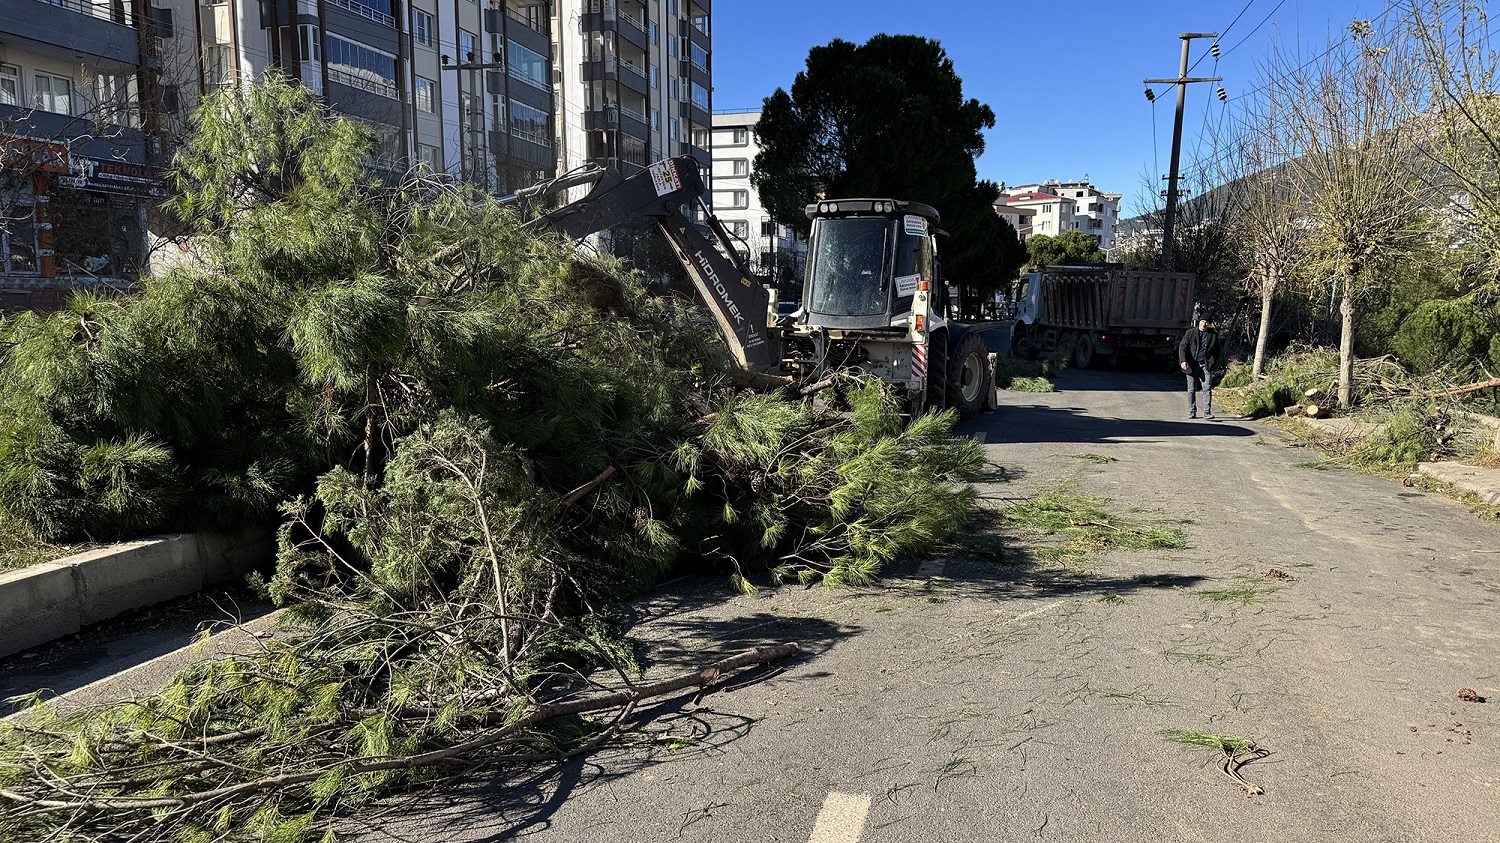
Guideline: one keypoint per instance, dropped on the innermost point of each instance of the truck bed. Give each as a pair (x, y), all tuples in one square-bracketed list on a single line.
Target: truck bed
[(1110, 300)]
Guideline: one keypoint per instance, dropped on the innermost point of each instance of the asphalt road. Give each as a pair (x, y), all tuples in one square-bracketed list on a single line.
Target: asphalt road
[(967, 701)]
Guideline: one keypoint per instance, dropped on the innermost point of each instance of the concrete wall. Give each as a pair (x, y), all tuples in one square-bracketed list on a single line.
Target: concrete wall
[(45, 602)]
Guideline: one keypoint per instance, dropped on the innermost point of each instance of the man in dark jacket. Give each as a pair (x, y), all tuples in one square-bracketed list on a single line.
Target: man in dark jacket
[(1198, 354)]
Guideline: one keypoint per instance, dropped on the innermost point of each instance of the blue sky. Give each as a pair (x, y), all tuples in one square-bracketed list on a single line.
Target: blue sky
[(1064, 78)]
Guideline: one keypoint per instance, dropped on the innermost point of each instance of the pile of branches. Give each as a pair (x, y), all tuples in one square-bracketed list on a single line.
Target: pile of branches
[(473, 439)]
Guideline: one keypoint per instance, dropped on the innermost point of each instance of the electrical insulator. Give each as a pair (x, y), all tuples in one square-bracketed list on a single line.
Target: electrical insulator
[(1150, 95), (1223, 97), (1215, 50)]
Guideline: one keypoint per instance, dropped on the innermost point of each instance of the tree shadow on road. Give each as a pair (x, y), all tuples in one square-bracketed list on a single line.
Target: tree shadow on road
[(1039, 423)]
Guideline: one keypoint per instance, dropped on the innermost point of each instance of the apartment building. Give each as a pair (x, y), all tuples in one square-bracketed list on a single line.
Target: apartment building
[(458, 87), (1069, 206), (1019, 218), (635, 81), (79, 140), (773, 250), (1050, 214)]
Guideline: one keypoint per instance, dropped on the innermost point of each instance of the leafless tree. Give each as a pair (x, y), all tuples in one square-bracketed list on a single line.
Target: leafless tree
[(1270, 216), (1347, 146)]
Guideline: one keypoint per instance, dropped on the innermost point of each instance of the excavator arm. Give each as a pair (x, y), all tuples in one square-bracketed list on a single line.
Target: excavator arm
[(740, 306)]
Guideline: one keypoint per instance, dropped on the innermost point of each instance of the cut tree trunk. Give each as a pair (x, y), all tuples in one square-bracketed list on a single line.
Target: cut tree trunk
[(1313, 411), (1267, 294)]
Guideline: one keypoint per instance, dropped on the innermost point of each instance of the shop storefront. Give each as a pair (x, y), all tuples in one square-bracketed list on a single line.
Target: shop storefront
[(72, 219)]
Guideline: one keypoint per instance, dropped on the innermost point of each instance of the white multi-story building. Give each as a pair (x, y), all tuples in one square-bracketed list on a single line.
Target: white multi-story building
[(1069, 206), (1020, 219), (771, 248), (1050, 214), (635, 81)]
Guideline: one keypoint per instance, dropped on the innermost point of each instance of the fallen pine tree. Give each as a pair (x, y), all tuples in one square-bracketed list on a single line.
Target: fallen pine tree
[(473, 439)]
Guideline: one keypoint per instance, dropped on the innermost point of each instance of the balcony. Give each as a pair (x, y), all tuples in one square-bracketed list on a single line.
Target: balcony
[(82, 135), (70, 27)]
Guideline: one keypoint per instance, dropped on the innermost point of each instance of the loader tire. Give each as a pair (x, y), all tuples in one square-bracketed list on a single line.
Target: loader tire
[(968, 376), (1083, 352)]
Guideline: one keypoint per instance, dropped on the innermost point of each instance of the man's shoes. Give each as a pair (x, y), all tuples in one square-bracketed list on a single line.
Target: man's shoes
[(1208, 415), (1192, 415)]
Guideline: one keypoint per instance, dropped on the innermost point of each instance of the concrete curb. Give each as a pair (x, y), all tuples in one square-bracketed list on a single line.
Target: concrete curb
[(44, 602), (1483, 482)]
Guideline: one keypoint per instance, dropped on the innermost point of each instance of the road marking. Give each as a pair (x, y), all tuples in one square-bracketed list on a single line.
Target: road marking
[(931, 568), (842, 819)]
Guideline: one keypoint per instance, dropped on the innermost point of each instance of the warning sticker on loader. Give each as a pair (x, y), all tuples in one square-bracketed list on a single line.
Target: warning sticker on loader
[(664, 176), (915, 224), (907, 284)]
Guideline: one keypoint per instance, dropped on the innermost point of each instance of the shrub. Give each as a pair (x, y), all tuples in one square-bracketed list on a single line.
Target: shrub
[(1446, 333)]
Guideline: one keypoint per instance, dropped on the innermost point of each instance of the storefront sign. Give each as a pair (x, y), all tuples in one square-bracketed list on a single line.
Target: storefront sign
[(46, 157), (114, 177)]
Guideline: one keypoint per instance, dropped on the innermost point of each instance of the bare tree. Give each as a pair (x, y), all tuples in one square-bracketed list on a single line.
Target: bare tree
[(1270, 218), (1461, 123), (1347, 146)]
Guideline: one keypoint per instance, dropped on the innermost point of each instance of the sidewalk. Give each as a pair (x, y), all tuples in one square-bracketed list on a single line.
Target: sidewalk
[(1483, 482)]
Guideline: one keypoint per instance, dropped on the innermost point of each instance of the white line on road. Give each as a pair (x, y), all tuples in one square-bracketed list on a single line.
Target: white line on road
[(842, 819)]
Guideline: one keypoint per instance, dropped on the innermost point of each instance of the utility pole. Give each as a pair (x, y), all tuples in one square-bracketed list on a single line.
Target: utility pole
[(1168, 245)]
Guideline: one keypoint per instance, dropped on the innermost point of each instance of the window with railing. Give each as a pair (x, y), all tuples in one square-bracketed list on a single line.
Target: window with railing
[(527, 65), (360, 66), (376, 10), (699, 57), (528, 123), (700, 96), (533, 16)]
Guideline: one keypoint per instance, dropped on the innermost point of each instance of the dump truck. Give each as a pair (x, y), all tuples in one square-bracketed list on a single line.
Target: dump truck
[(1107, 312), (873, 302)]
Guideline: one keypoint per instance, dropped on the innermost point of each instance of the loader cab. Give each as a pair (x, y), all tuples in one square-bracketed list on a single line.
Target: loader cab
[(866, 260)]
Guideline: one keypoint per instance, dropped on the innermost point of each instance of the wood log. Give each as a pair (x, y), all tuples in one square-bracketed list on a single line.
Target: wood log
[(1294, 410), (1313, 411), (1314, 395)]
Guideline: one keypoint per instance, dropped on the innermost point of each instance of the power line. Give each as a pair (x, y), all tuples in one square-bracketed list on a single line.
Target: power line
[(1225, 31), (1390, 7), (1257, 27)]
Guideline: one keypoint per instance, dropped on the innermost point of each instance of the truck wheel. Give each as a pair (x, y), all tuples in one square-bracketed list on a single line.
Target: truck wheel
[(937, 371), (968, 376), (1083, 353)]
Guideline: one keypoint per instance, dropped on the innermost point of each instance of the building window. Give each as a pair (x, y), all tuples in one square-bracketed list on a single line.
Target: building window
[(112, 99), (741, 136), (10, 84), (699, 57), (216, 64), (421, 27), (740, 167), (700, 23), (671, 88), (655, 120), (310, 43), (739, 228), (528, 123), (426, 95), (700, 95), (651, 29), (53, 93), (767, 228), (731, 199), (527, 66), (672, 46), (701, 137), (429, 158), (655, 77), (674, 129), (359, 66), (466, 46)]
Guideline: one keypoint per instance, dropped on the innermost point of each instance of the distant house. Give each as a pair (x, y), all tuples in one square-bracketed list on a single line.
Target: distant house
[(1068, 206), (1019, 218)]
